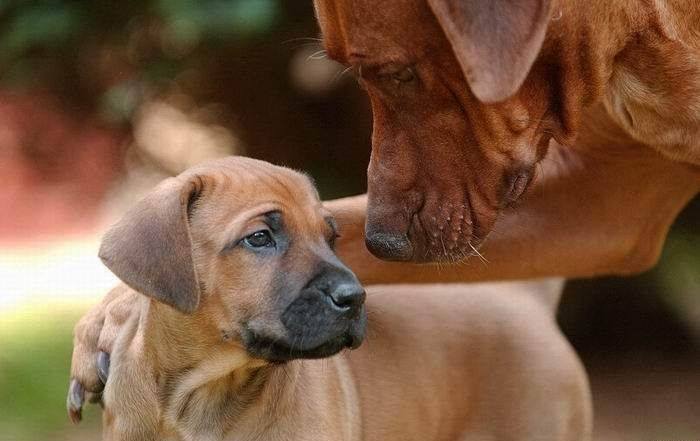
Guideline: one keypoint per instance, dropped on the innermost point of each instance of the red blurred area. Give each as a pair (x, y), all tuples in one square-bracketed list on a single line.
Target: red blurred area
[(56, 165)]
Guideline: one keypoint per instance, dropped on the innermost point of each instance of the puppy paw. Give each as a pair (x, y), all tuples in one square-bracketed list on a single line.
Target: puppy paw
[(94, 336)]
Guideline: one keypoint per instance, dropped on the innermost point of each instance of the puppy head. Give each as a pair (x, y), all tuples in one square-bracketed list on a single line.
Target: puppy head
[(461, 114), (243, 248)]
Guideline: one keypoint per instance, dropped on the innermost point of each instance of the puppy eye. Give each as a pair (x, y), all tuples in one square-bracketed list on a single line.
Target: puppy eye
[(404, 75), (259, 239)]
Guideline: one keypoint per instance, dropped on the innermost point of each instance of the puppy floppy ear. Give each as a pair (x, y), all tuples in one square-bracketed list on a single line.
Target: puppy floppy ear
[(150, 248), (495, 41)]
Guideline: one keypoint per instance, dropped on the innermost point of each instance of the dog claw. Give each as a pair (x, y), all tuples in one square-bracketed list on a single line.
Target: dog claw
[(103, 366), (76, 397)]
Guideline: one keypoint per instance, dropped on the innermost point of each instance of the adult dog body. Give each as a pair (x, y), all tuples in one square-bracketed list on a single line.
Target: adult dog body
[(235, 291)]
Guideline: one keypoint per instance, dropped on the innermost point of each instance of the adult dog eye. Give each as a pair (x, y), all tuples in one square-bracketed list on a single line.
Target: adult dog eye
[(259, 239), (404, 75)]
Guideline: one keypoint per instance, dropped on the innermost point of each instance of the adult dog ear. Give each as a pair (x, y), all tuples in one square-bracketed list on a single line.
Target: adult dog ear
[(150, 248), (495, 41)]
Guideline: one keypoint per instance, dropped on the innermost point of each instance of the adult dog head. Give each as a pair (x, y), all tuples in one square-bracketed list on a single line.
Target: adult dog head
[(464, 106), (242, 253)]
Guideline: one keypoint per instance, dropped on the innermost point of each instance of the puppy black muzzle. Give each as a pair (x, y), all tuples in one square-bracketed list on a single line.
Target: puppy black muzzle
[(327, 316), (330, 305)]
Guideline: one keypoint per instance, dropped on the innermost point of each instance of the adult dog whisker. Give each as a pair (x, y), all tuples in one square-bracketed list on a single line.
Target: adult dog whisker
[(318, 55), (444, 250), (476, 252), (307, 39), (341, 74)]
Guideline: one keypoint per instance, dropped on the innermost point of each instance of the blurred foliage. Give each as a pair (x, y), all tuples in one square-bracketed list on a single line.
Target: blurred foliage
[(102, 60), (34, 359), (126, 46)]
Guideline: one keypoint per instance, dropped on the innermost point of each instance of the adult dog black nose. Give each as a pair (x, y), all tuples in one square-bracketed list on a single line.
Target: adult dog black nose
[(348, 296), (389, 246)]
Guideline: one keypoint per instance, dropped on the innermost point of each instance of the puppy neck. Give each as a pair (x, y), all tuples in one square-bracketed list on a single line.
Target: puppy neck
[(207, 386), (177, 341)]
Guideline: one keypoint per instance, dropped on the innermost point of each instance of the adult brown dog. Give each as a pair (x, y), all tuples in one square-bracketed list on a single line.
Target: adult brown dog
[(235, 290), (595, 104)]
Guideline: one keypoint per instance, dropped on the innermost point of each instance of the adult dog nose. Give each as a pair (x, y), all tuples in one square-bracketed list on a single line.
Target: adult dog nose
[(348, 296), (389, 246)]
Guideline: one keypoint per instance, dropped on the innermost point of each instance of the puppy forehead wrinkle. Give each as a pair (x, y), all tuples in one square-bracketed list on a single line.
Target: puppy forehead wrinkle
[(252, 184), (295, 188), (281, 189), (237, 179)]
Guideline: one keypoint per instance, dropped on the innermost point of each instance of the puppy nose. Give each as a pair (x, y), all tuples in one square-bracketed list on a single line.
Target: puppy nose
[(348, 296), (389, 246)]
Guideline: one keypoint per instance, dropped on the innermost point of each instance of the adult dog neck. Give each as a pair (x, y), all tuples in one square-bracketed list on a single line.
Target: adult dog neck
[(641, 59)]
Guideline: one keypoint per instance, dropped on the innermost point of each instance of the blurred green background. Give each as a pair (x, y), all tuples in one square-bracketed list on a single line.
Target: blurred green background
[(99, 100)]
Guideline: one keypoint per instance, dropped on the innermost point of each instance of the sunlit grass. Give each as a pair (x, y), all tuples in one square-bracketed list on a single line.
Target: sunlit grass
[(35, 353)]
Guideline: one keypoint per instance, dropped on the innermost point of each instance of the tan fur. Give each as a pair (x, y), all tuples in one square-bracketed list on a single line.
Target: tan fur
[(439, 362)]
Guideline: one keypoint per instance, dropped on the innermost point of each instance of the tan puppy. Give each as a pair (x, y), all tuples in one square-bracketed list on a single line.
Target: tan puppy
[(235, 289)]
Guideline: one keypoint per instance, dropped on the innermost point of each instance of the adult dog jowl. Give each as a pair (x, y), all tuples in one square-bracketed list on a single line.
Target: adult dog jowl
[(240, 311)]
